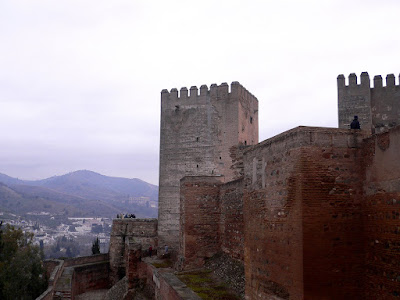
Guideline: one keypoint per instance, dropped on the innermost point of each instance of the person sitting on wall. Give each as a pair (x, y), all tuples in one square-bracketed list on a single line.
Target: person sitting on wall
[(355, 124)]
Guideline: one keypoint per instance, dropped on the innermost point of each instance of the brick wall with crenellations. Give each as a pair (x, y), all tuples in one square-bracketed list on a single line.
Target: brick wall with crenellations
[(302, 215)]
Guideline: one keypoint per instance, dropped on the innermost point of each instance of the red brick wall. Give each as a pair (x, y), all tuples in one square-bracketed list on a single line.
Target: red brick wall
[(302, 216), (232, 222), (211, 219), (382, 216), (199, 220), (272, 214), (91, 277), (331, 194)]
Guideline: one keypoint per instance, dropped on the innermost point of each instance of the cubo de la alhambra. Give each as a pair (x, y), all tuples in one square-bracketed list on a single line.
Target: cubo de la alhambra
[(312, 213)]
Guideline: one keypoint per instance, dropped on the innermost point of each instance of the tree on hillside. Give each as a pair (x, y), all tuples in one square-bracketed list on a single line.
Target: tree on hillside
[(64, 247), (21, 270), (96, 247)]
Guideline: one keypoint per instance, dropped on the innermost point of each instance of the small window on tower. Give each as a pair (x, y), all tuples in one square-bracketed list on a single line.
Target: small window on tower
[(251, 120), (197, 139)]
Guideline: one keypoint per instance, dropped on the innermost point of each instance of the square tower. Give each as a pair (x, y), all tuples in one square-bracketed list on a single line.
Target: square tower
[(200, 133), (377, 108)]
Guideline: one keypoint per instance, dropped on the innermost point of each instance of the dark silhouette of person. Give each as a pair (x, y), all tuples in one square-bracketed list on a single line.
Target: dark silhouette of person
[(355, 124)]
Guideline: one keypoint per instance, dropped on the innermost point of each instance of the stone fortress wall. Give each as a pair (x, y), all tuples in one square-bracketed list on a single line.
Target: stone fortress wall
[(312, 213), (378, 108), (200, 136), (302, 215), (124, 231), (315, 214)]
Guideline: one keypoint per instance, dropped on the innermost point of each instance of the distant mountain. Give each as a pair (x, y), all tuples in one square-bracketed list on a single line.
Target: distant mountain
[(92, 185), (9, 180), (79, 193), (22, 199)]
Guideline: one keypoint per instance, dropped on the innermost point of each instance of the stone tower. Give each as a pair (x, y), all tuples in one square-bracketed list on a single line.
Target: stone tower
[(377, 108), (200, 133)]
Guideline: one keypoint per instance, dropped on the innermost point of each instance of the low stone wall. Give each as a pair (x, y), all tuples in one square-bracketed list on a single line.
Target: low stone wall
[(90, 273), (89, 277), (86, 260), (165, 284), (54, 269)]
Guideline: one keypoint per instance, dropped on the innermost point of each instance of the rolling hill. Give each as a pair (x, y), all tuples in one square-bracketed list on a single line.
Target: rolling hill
[(80, 193)]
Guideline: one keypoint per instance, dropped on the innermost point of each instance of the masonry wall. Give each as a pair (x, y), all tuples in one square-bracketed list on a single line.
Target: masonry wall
[(90, 277), (382, 216), (272, 222), (98, 258), (378, 108), (143, 231), (198, 131), (54, 269), (200, 220), (331, 195), (231, 228), (300, 205), (164, 285)]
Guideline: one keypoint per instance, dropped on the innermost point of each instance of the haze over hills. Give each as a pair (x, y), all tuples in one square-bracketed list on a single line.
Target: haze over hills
[(80, 193)]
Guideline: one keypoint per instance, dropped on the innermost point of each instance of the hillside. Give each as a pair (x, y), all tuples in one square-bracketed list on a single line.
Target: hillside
[(92, 185), (80, 193)]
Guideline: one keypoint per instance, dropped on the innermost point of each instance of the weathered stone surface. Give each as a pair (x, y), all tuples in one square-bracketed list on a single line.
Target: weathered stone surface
[(228, 271), (142, 231), (200, 220), (378, 108), (381, 216), (118, 290), (302, 215), (197, 134)]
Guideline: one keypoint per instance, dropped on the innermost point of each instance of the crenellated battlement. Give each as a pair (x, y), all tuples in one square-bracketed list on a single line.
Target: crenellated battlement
[(215, 91), (200, 125), (377, 107), (365, 81)]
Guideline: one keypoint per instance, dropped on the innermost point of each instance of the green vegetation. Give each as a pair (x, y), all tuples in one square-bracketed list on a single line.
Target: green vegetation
[(202, 283), (164, 264), (21, 270), (64, 247)]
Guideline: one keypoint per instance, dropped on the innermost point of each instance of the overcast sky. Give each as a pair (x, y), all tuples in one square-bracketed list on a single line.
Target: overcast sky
[(80, 80)]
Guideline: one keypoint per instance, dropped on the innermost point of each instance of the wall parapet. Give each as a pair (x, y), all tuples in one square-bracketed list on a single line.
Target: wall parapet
[(83, 260), (365, 80), (315, 136), (54, 276), (214, 91), (167, 286)]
